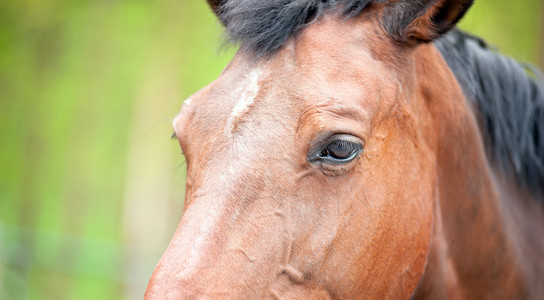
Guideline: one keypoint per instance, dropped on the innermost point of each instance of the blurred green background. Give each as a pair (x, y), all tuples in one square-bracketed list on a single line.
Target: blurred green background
[(91, 185)]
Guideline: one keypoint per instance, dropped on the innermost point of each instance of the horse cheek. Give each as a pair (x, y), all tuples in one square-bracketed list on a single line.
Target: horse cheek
[(398, 224)]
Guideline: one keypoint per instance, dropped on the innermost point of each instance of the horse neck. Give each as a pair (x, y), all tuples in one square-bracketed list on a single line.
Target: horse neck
[(474, 252)]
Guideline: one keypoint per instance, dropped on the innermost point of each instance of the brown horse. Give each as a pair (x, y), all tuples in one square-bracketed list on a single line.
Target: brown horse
[(356, 149)]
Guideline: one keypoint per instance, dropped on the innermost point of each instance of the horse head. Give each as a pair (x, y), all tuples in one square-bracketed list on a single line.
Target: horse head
[(315, 160)]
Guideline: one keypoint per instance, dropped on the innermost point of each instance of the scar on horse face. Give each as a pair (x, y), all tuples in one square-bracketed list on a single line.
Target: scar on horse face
[(359, 150)]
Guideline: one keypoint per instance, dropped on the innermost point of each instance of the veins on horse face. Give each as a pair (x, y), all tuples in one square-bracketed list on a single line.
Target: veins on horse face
[(292, 273), (244, 252), (290, 239)]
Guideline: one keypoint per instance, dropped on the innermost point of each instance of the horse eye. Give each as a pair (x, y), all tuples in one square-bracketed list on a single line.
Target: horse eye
[(339, 151)]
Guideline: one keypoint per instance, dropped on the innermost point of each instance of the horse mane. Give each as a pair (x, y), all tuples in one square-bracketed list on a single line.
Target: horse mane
[(509, 102)]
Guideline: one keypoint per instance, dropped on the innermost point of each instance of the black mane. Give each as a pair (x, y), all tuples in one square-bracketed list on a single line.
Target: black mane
[(510, 104)]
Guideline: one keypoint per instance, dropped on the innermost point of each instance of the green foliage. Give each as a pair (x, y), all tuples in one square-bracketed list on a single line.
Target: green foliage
[(514, 27), (71, 73), (88, 90)]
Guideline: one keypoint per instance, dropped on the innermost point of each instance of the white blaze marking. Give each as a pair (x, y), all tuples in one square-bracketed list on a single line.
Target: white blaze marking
[(246, 100)]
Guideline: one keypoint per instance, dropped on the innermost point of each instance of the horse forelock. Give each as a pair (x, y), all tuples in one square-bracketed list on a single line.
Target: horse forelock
[(265, 26)]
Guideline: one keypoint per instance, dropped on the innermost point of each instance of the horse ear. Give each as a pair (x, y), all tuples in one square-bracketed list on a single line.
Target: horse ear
[(423, 21)]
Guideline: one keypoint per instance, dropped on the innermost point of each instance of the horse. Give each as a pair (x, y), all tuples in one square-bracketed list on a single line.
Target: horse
[(359, 149)]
